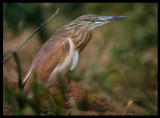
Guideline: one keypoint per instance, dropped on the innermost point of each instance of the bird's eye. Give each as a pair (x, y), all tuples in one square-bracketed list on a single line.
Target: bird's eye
[(94, 19)]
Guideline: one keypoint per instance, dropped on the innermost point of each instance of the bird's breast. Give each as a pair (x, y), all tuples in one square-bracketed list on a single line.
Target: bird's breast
[(69, 63)]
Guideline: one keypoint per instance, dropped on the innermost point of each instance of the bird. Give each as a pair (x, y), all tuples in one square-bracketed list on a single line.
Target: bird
[(61, 52)]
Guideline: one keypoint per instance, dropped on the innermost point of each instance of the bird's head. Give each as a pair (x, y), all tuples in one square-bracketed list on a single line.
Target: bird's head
[(93, 21)]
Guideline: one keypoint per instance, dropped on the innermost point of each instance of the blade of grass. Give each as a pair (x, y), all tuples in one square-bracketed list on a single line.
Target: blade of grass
[(19, 70), (149, 97), (145, 106)]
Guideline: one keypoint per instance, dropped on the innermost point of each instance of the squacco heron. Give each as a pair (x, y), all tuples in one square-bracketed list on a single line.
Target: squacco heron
[(61, 52)]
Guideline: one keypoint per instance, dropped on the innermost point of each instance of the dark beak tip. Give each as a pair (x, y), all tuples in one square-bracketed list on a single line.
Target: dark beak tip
[(117, 18), (125, 17), (121, 17)]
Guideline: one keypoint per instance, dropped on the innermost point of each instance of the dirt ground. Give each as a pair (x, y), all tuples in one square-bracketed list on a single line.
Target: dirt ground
[(88, 102), (97, 105)]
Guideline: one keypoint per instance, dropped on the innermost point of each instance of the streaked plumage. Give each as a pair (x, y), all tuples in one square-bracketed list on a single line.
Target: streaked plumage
[(61, 52)]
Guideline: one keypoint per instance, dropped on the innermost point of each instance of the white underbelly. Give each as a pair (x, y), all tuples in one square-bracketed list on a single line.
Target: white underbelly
[(70, 62)]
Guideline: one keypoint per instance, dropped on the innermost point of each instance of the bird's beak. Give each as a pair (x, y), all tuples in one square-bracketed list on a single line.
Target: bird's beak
[(105, 19), (110, 18)]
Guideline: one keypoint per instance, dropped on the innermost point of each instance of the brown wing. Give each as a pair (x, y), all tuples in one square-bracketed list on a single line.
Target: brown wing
[(51, 54)]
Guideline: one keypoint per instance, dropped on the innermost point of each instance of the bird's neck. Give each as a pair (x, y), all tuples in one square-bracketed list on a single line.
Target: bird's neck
[(80, 36)]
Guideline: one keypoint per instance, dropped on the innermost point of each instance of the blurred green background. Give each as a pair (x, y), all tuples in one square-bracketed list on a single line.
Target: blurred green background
[(120, 62)]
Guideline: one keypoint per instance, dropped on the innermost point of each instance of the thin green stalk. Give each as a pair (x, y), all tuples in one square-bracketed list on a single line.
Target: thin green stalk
[(19, 70)]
